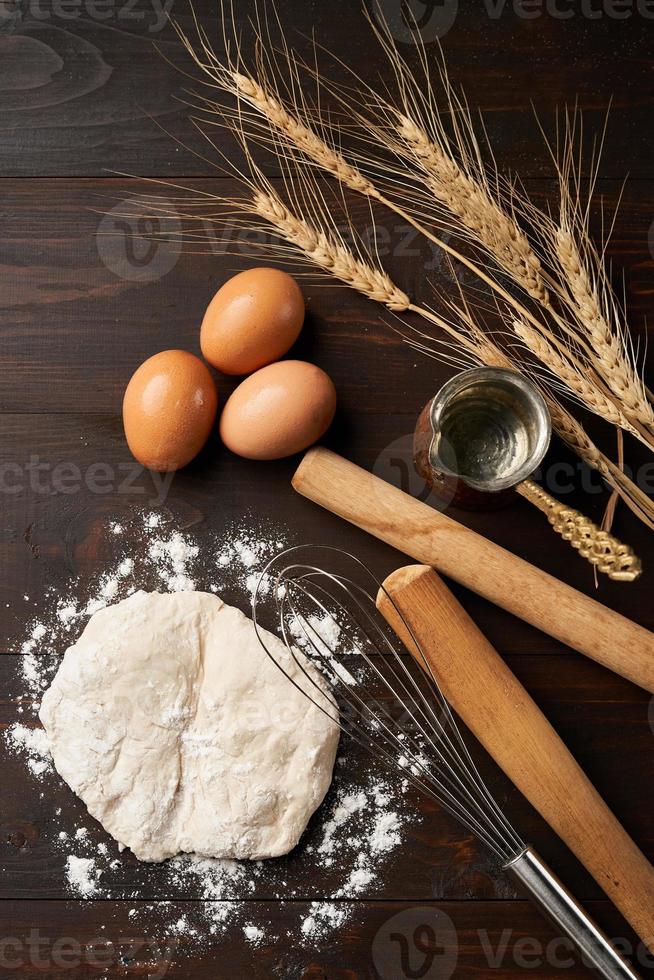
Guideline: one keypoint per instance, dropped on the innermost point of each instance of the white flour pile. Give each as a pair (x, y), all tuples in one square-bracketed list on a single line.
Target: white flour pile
[(352, 836), (33, 743)]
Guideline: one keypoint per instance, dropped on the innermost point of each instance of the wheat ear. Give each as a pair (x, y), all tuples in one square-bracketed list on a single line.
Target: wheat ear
[(465, 198), (575, 381), (607, 392), (605, 340), (328, 255), (450, 168)]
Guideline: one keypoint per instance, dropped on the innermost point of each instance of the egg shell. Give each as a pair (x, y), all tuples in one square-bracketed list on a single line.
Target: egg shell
[(169, 410), (252, 320), (278, 411)]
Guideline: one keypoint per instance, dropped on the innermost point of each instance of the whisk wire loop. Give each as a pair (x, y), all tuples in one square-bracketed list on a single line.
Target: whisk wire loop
[(324, 616)]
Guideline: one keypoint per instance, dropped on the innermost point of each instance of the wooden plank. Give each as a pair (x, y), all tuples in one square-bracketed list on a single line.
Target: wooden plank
[(88, 88), (449, 939)]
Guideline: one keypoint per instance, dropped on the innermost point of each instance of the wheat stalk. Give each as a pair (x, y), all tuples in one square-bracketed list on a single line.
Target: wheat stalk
[(329, 255), (475, 208), (462, 191), (371, 281), (451, 169), (619, 400), (301, 135), (583, 284), (501, 235), (576, 382), (296, 133), (605, 339)]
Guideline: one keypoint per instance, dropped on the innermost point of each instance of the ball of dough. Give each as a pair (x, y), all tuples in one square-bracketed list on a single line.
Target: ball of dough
[(180, 734)]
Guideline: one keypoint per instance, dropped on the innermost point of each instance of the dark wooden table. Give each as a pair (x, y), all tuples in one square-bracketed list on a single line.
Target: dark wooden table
[(85, 95)]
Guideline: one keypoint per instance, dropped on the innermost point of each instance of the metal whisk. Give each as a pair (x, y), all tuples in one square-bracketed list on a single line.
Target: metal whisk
[(328, 620)]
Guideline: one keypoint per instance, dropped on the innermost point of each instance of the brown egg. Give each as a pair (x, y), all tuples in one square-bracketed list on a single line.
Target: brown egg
[(169, 409), (278, 411), (252, 320)]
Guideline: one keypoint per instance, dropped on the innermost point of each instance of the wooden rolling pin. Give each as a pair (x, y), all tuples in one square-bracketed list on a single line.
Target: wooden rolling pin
[(499, 711), (510, 582)]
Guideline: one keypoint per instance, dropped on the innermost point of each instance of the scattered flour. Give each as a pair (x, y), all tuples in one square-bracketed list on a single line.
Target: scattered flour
[(67, 613), (254, 934), (386, 833), (32, 674), (323, 919), (33, 744), (82, 874), (172, 556), (349, 805)]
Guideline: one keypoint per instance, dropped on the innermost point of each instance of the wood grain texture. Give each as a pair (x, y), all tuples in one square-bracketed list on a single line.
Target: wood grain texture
[(83, 93), (101, 936), (62, 377), (85, 298)]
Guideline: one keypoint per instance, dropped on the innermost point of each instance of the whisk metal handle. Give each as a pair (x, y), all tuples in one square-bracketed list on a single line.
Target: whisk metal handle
[(555, 901)]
